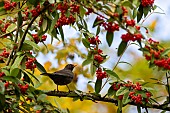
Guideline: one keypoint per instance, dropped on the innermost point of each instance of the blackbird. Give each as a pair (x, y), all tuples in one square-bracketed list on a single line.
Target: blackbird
[(62, 77)]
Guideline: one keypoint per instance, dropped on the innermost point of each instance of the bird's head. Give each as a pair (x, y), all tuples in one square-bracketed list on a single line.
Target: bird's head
[(70, 66)]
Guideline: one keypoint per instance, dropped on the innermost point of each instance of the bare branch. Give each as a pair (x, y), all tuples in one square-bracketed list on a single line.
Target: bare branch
[(94, 98)]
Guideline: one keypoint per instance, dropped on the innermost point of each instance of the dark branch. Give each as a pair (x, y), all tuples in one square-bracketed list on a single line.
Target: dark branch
[(94, 98)]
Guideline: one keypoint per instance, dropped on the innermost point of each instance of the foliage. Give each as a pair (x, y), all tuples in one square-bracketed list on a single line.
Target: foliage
[(26, 24)]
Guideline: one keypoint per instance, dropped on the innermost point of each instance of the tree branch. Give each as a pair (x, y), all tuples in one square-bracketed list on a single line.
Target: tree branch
[(91, 96)]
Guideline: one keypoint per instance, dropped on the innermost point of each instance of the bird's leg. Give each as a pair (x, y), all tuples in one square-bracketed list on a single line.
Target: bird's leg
[(57, 89), (68, 88)]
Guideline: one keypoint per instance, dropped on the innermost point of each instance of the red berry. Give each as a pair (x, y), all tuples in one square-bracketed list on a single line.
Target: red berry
[(120, 97), (100, 74), (130, 22), (146, 3), (6, 85)]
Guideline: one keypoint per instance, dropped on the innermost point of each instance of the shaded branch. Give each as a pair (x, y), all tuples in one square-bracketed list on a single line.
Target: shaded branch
[(91, 96)]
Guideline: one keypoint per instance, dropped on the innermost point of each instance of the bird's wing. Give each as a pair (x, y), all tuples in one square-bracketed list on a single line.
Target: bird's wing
[(64, 72)]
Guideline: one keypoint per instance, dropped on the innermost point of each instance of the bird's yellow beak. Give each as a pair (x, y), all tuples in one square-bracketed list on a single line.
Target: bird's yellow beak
[(74, 65)]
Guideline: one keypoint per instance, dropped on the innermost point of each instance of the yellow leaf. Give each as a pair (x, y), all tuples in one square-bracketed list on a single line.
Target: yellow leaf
[(47, 65), (153, 24)]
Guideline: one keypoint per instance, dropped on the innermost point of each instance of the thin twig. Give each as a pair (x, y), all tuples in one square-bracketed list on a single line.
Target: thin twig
[(16, 36)]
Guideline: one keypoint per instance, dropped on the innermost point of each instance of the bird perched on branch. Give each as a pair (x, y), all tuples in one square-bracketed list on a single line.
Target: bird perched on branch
[(62, 77)]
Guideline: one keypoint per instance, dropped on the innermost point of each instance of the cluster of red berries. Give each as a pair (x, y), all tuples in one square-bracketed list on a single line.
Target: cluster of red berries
[(109, 26), (23, 88), (63, 20), (101, 74), (5, 26), (153, 53), (30, 63), (164, 63), (74, 8), (4, 54), (66, 20), (35, 12), (94, 40), (89, 10), (63, 7), (37, 39), (131, 37), (98, 58), (2, 74), (146, 3), (97, 52), (134, 89), (130, 23), (6, 83), (125, 11), (9, 6)]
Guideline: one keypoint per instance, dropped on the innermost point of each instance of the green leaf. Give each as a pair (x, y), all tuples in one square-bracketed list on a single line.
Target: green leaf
[(98, 85), (120, 105), (17, 62), (42, 97), (40, 67), (127, 3), (126, 98), (85, 42), (135, 11), (61, 33), (121, 48), (2, 102), (111, 73), (6, 71), (27, 79), (122, 91), (12, 79), (85, 25), (98, 30), (109, 38), (139, 13), (34, 2), (28, 73), (111, 92), (26, 47), (11, 28), (2, 88), (82, 11), (146, 10), (2, 12), (54, 22), (96, 22), (165, 52), (19, 21), (38, 107), (14, 71), (33, 44), (44, 25), (92, 69), (86, 62), (139, 109)]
